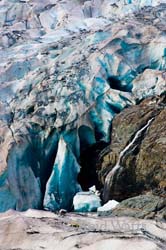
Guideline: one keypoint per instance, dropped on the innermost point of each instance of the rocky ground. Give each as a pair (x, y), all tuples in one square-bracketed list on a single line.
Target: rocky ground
[(38, 230)]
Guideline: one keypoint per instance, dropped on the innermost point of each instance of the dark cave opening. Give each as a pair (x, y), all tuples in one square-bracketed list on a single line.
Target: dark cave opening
[(89, 158), (86, 137), (115, 83)]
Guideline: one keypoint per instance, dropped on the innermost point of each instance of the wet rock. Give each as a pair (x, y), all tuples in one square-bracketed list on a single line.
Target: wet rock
[(143, 164), (143, 206)]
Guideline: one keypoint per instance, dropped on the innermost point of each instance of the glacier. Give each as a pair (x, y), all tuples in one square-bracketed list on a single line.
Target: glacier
[(62, 184), (62, 82)]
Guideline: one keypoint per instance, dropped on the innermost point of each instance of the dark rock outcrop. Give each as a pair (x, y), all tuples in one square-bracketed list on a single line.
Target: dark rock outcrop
[(143, 206), (142, 168)]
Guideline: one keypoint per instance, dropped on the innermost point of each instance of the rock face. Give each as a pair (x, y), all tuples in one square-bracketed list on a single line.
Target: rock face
[(66, 69), (143, 206), (44, 230), (142, 168)]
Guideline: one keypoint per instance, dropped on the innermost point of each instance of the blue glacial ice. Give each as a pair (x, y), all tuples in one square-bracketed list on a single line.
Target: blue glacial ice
[(62, 184), (86, 202)]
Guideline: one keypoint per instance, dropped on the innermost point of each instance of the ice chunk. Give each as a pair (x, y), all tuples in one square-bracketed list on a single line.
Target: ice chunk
[(107, 208), (92, 189), (86, 202)]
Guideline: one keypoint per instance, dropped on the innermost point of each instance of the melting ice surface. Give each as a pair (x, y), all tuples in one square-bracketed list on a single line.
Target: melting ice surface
[(62, 184), (86, 202)]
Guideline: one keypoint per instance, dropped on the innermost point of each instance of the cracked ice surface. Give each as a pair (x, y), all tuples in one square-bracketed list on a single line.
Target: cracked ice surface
[(68, 77)]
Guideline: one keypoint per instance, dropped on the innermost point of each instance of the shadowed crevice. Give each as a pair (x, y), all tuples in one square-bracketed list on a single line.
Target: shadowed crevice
[(89, 157), (115, 83)]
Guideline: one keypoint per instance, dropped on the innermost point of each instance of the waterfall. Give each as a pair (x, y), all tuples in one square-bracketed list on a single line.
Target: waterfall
[(123, 152)]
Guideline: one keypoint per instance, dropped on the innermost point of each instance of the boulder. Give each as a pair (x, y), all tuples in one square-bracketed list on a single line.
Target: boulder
[(143, 206)]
